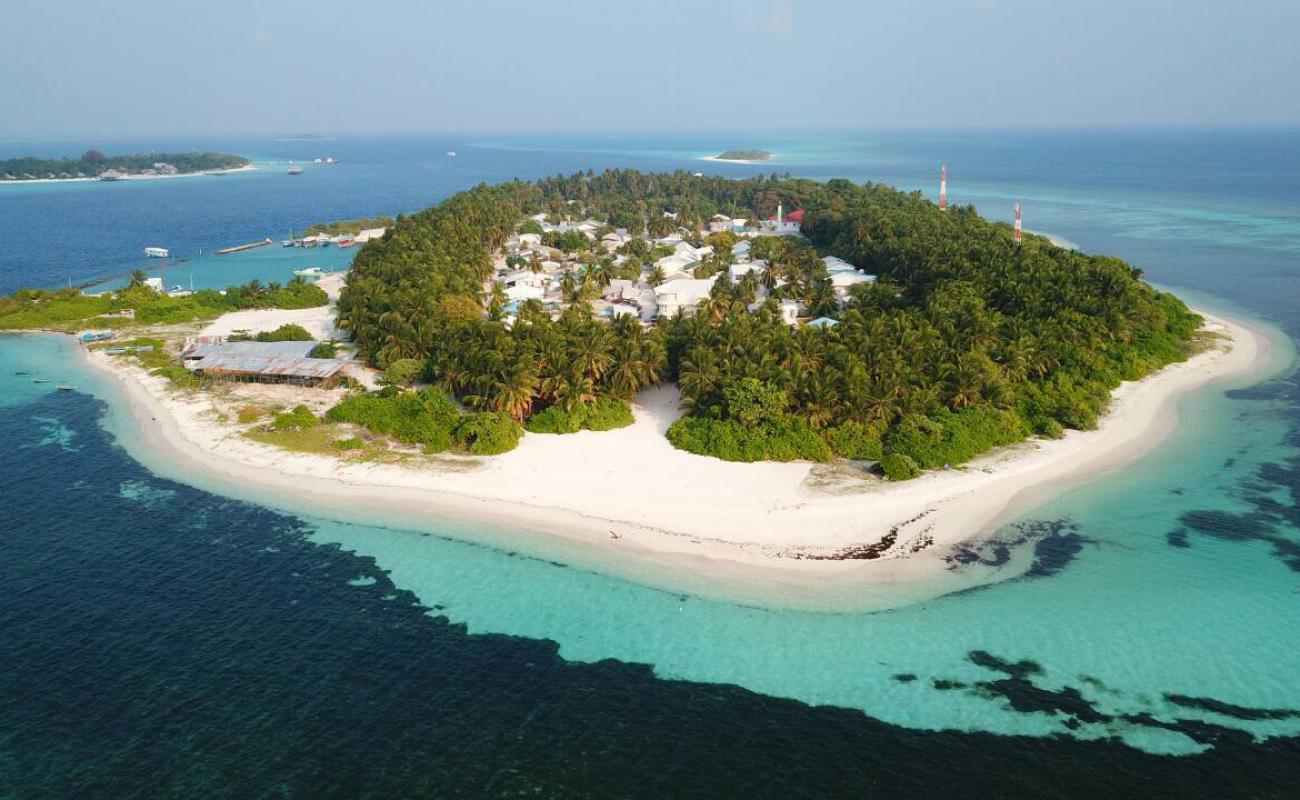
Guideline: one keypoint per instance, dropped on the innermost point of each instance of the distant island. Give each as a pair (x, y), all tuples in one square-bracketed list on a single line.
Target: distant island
[(743, 155), (94, 165)]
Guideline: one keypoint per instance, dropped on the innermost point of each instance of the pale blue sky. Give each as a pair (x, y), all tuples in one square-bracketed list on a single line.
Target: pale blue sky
[(133, 66)]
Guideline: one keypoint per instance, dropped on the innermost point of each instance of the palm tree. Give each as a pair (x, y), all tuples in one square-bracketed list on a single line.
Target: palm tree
[(513, 389)]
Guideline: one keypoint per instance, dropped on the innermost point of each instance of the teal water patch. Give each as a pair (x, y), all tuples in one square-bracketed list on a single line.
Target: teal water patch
[(55, 434), (145, 492), (1116, 620)]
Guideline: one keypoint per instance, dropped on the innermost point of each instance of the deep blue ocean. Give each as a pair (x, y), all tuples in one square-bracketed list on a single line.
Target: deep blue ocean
[(163, 637)]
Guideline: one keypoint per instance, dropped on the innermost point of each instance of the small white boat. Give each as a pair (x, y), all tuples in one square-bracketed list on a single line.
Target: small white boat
[(309, 272), (451, 154), (157, 252), (294, 169)]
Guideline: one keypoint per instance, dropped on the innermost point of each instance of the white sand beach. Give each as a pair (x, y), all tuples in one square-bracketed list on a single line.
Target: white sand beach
[(627, 502), (230, 171), (740, 160)]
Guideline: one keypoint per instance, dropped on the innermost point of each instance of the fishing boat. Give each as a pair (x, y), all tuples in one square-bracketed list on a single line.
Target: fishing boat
[(157, 252), (451, 154), (345, 242), (63, 387), (309, 272), (294, 169), (22, 373), (96, 336), (40, 380)]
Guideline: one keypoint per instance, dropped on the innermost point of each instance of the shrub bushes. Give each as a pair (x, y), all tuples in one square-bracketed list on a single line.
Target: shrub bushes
[(488, 433), (856, 441), (898, 467), (426, 417), (430, 418), (602, 414), (952, 437), (324, 350), (298, 419), (350, 443), (786, 439), (402, 372), (289, 332)]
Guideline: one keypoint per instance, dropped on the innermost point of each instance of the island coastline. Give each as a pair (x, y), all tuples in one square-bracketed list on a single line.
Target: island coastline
[(126, 178), (750, 533)]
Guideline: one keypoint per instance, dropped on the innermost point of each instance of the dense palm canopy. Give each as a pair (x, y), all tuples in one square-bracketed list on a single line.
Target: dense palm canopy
[(966, 341)]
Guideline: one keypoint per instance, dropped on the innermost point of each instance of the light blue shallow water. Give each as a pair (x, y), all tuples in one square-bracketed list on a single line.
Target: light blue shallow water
[(1169, 577)]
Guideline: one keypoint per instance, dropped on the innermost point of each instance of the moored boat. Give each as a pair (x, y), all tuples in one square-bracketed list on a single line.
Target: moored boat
[(309, 272), (157, 252)]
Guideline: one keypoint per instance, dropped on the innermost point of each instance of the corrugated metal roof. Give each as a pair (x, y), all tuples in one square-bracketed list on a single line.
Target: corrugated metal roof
[(254, 349), (315, 368)]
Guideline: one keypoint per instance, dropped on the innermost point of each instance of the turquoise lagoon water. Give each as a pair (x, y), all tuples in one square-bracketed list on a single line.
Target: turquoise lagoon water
[(1141, 638)]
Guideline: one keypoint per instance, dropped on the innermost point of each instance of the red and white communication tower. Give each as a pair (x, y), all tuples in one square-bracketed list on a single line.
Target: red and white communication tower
[(943, 187), (1017, 233)]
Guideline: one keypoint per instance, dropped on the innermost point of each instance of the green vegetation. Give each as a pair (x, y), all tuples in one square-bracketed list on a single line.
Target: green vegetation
[(488, 433), (754, 426), (402, 372), (426, 417), (324, 350), (430, 418), (288, 332), (69, 309), (93, 163), (602, 414), (350, 443), (348, 227), (298, 419), (967, 341), (745, 155)]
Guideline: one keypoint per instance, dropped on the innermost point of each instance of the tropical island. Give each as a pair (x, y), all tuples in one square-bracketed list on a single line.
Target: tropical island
[(94, 165), (743, 155), (813, 372)]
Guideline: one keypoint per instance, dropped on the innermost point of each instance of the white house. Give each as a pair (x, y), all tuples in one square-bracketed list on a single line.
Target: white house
[(524, 292), (525, 277), (613, 241), (789, 312), (621, 289), (719, 223), (740, 250), (676, 264), (842, 282), (739, 271), (527, 240), (681, 294), (834, 265)]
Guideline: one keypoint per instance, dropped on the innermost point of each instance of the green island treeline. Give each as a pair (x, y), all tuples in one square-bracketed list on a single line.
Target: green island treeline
[(966, 342), (745, 155), (69, 309), (93, 164)]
